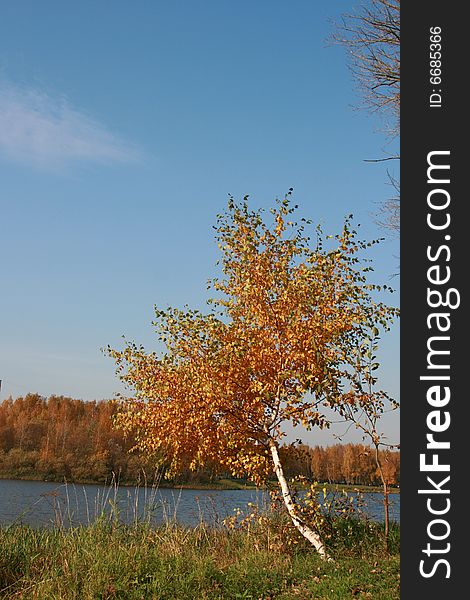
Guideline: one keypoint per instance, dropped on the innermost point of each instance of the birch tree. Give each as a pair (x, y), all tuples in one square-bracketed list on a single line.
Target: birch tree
[(273, 347), (363, 406)]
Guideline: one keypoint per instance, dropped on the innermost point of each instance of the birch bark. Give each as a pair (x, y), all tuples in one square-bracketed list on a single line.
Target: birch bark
[(306, 531)]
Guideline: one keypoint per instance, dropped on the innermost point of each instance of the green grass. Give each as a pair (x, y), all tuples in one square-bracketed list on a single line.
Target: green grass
[(216, 484), (108, 560)]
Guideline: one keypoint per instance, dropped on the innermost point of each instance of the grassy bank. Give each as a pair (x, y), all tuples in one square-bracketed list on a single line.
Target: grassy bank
[(217, 484), (106, 560)]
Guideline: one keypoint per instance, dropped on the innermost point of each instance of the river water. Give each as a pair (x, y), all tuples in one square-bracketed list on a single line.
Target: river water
[(40, 503)]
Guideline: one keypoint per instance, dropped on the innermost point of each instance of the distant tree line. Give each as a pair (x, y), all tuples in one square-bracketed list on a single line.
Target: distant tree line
[(341, 463), (59, 438)]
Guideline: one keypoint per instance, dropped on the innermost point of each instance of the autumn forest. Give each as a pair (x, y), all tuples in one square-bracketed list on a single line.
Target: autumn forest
[(59, 438)]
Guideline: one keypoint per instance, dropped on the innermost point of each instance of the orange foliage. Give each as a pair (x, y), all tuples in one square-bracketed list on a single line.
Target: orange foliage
[(277, 346), (58, 437)]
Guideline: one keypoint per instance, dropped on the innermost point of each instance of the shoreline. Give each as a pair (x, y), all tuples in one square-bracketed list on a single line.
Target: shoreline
[(220, 485)]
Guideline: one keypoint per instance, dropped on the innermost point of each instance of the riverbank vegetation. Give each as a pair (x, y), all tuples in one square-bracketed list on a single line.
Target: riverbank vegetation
[(266, 560), (59, 438)]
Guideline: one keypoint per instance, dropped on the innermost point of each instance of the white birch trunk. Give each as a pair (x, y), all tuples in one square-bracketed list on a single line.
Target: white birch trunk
[(308, 533)]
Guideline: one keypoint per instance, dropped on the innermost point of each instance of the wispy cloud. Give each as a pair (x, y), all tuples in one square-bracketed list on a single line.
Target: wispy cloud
[(47, 132)]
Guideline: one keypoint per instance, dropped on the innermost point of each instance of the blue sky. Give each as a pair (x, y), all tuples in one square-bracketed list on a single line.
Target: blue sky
[(122, 131)]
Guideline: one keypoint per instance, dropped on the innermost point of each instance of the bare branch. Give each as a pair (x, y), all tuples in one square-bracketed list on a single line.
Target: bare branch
[(372, 40)]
